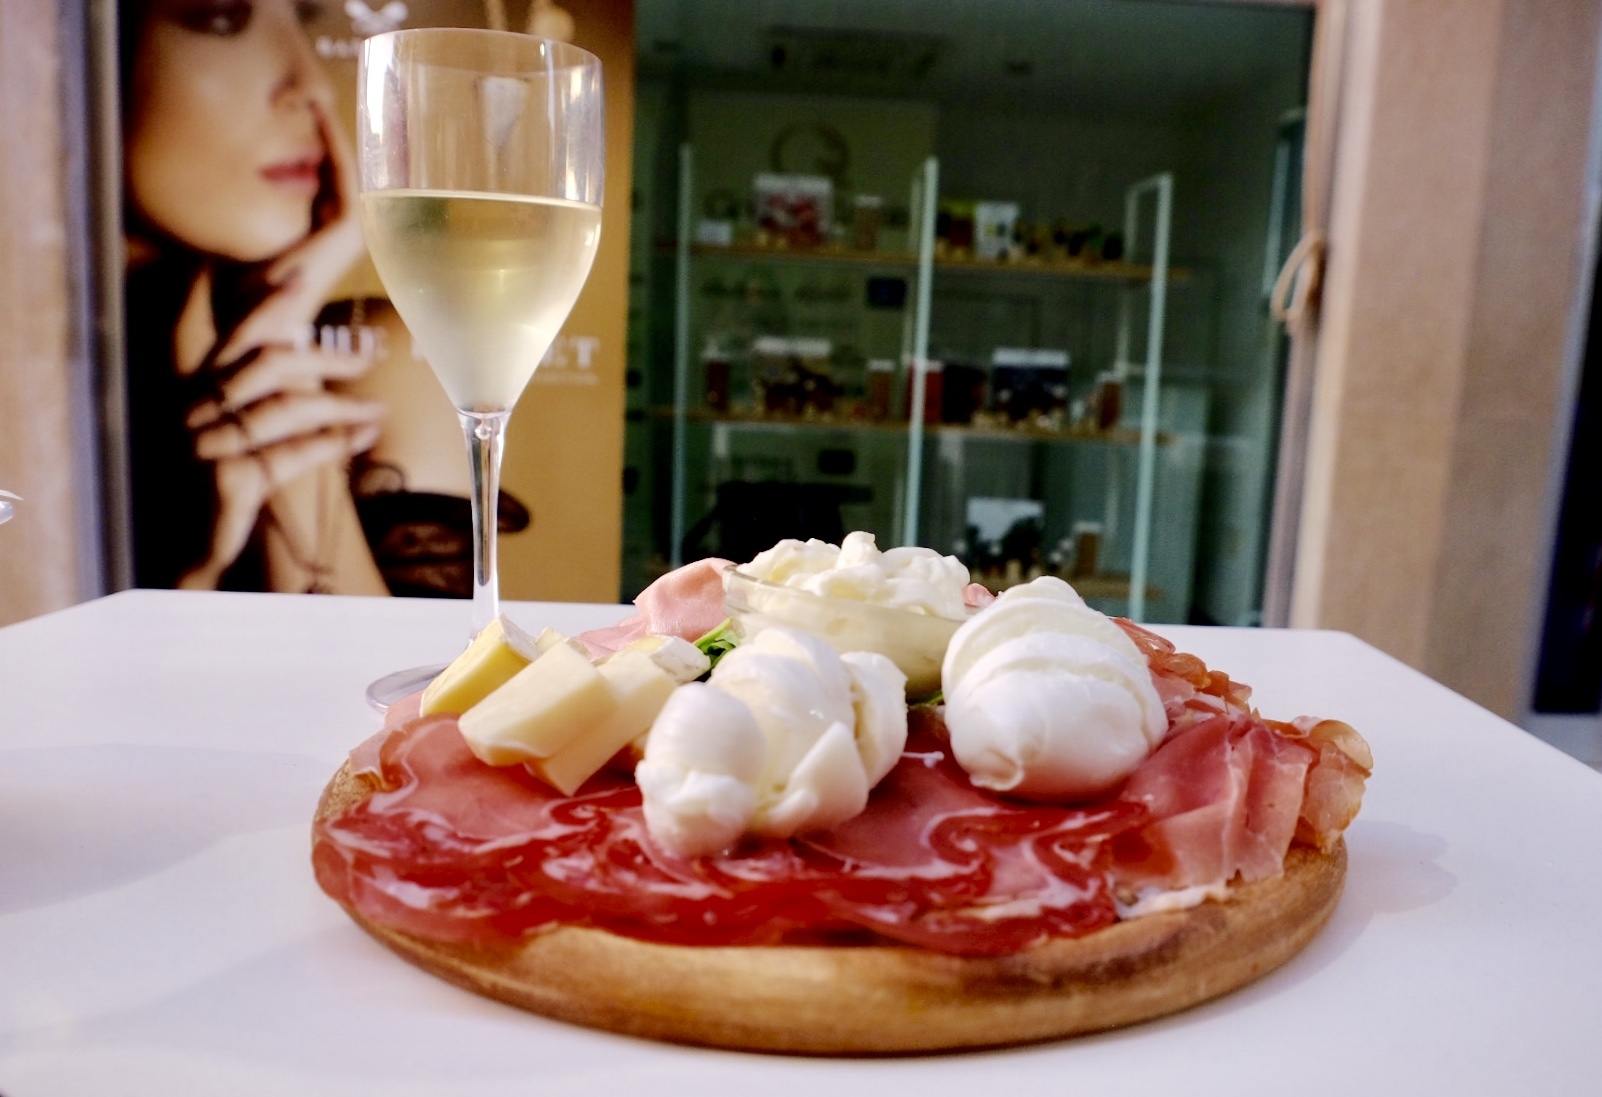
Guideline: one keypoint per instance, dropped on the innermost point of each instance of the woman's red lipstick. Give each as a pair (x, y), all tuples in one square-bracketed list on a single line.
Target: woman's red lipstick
[(302, 172)]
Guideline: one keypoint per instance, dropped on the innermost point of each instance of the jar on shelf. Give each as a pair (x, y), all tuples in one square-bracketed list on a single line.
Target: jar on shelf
[(934, 383), (715, 371), (881, 388), (867, 213), (1108, 400), (1087, 549)]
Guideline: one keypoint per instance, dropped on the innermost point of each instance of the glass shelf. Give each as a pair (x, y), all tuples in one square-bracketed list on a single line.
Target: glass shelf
[(1118, 436), (1080, 270)]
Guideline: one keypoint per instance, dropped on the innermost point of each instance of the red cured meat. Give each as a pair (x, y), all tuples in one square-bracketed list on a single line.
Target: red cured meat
[(452, 849), (456, 850), (1335, 784), (1189, 690), (686, 602), (1225, 794), (364, 758)]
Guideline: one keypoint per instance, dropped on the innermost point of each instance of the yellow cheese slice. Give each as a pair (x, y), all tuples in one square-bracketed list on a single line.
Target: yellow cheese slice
[(543, 707), (500, 650), (638, 688)]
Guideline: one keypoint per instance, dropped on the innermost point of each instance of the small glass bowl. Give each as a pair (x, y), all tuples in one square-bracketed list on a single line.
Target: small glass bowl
[(915, 642)]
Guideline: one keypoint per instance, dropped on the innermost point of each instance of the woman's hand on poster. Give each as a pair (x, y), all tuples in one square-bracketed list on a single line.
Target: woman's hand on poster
[(275, 418), (275, 423)]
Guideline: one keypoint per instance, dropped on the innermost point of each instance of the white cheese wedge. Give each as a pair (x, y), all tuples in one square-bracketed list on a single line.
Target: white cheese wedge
[(637, 689), (549, 638), (499, 651), (540, 710), (680, 659)]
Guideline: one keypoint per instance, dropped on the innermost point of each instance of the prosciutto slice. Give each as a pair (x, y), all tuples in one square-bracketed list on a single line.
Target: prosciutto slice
[(1228, 791), (1225, 795), (1190, 691), (686, 602), (1335, 783), (365, 757)]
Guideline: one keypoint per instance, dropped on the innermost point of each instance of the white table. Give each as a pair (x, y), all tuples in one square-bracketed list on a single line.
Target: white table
[(160, 931)]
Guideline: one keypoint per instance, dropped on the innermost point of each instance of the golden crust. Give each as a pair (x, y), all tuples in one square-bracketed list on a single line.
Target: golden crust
[(885, 1000)]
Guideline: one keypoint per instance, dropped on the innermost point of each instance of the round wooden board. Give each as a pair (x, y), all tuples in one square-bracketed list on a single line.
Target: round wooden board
[(871, 1000)]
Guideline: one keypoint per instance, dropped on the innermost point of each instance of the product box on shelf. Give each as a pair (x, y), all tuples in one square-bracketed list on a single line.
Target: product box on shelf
[(1026, 381), (795, 209), (993, 227)]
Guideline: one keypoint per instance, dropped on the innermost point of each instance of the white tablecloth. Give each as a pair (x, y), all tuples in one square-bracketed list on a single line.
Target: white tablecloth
[(160, 930)]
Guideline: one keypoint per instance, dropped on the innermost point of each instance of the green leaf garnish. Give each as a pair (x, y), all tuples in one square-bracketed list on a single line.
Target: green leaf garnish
[(719, 642)]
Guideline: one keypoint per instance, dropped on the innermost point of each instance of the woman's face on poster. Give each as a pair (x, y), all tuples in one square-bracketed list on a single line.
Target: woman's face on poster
[(225, 148)]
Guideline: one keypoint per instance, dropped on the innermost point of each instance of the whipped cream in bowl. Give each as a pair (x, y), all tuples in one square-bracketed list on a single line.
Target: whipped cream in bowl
[(904, 603)]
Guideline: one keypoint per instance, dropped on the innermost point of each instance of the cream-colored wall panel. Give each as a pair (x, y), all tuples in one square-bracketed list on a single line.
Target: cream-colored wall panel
[(39, 547), (1440, 398)]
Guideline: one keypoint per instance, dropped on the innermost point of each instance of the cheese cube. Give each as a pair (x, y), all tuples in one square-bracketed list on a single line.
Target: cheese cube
[(543, 707), (679, 659), (639, 688), (500, 650)]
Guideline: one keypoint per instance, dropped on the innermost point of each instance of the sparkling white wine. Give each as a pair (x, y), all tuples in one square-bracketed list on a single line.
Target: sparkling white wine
[(483, 281)]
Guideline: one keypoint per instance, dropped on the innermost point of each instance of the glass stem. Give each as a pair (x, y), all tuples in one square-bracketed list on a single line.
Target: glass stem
[(485, 433)]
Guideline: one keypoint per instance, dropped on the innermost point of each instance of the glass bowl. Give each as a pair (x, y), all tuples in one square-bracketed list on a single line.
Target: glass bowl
[(915, 642)]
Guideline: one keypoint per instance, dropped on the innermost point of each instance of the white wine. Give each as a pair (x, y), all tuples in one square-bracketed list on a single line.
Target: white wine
[(483, 281)]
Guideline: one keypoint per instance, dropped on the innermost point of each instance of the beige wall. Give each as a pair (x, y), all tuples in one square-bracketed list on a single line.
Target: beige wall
[(564, 449), (40, 549), (1456, 248)]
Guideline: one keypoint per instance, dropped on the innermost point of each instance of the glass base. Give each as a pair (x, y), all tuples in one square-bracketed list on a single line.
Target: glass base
[(385, 691)]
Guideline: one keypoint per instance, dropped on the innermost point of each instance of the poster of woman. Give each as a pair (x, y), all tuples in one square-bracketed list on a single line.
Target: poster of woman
[(282, 435)]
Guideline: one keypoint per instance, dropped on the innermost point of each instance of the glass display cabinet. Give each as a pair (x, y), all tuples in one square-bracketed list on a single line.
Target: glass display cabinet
[(842, 370)]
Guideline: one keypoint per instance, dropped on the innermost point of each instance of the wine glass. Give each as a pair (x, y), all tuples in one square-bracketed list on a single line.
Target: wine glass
[(481, 169)]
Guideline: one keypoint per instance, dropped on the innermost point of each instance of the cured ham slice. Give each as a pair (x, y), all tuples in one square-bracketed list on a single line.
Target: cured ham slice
[(1225, 795), (1228, 791), (1336, 780), (454, 850), (1189, 689), (365, 757), (686, 602)]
